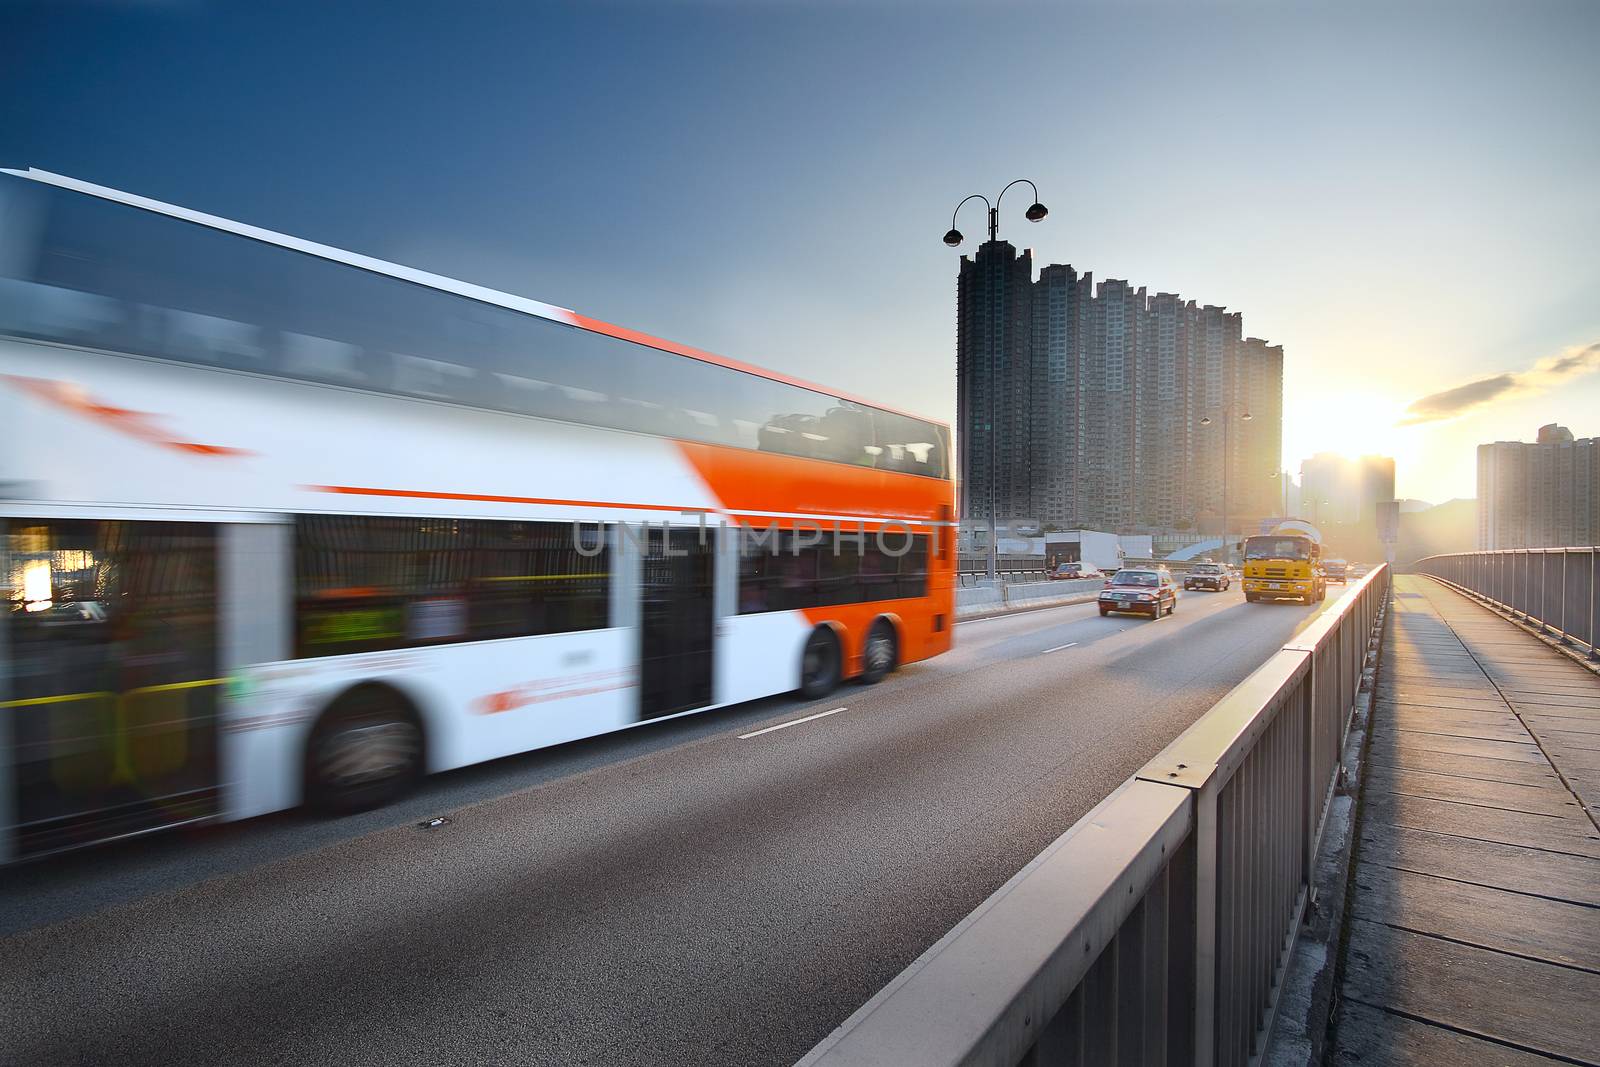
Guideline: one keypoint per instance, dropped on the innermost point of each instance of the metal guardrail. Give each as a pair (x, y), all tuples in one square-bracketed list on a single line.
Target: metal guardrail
[(1551, 589), (972, 569), (1157, 929)]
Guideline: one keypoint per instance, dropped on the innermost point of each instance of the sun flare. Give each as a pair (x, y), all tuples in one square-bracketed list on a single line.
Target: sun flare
[(1351, 423)]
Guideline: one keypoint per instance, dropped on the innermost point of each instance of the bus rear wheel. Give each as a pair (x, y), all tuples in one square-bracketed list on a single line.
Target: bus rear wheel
[(364, 752), (880, 654), (820, 664)]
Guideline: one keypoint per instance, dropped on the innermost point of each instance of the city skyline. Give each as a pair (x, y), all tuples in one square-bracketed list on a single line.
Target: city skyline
[(1440, 192), (1098, 405)]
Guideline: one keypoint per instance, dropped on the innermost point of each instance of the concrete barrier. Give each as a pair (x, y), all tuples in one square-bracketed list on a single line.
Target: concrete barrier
[(983, 600), (978, 598)]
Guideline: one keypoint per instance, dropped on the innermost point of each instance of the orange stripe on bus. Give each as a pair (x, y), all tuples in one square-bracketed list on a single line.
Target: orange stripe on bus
[(140, 424), (622, 333), (756, 483), (492, 498), (871, 523)]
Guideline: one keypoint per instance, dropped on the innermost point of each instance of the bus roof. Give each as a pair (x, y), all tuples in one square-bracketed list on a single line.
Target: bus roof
[(523, 304)]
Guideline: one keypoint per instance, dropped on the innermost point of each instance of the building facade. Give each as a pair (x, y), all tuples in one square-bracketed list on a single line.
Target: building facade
[(995, 382), (1116, 410), (1339, 491), (1540, 495)]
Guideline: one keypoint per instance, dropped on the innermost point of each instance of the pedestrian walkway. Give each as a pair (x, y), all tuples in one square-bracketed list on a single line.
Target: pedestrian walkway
[(1474, 922)]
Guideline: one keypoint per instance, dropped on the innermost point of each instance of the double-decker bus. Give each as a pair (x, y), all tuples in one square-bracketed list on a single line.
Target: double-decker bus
[(280, 523)]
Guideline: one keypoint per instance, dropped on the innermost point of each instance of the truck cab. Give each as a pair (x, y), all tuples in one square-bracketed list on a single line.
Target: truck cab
[(1284, 566)]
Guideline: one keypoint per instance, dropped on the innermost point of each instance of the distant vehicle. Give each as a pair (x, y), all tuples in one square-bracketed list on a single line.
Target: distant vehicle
[(1070, 571), (1145, 591), (1284, 566), (1213, 576), (281, 523), (1336, 569)]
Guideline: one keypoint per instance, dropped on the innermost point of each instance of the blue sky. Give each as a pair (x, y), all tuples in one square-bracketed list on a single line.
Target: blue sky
[(1401, 195)]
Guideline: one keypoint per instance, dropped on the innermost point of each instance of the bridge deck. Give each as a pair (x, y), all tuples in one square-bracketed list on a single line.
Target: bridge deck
[(1475, 915)]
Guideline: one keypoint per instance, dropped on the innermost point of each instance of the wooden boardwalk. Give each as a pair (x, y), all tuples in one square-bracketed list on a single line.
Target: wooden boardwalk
[(1474, 923)]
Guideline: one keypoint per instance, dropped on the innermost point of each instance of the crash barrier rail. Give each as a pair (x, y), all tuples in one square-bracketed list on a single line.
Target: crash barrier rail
[(1158, 928), (973, 569), (975, 581), (1551, 589)]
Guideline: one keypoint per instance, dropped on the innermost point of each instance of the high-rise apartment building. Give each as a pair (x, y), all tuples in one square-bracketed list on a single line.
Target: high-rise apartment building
[(1061, 303), (1540, 495), (995, 382), (1339, 491), (1114, 411), (1254, 491)]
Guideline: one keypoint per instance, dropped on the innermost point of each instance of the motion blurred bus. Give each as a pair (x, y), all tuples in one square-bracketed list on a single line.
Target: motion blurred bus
[(280, 523)]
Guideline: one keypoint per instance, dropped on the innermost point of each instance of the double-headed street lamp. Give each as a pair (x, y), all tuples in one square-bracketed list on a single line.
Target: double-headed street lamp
[(1035, 212), (953, 238), (1227, 424)]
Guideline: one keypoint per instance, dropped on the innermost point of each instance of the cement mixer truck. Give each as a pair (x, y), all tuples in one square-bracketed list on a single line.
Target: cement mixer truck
[(1285, 564)]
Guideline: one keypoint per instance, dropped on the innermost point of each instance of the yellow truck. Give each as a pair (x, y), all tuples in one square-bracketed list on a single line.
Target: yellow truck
[(1286, 565)]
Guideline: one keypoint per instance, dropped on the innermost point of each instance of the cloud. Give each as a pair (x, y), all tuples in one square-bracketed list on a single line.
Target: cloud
[(1543, 375)]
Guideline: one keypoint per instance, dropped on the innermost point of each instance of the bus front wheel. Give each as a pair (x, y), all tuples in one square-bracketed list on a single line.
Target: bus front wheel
[(364, 752), (820, 664)]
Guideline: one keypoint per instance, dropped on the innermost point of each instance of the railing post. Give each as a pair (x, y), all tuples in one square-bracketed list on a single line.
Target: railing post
[(1544, 586), (1561, 617), (1592, 623), (1527, 576), (1594, 599), (1205, 924)]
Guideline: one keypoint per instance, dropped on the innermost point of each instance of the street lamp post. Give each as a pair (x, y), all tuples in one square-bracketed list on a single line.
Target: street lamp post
[(953, 238), (1284, 476), (1227, 425)]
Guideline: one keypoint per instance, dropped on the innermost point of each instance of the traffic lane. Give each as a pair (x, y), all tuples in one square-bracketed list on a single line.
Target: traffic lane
[(61, 887), (728, 899), (1050, 624)]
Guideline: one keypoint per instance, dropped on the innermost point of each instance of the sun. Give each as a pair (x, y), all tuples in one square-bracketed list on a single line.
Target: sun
[(1350, 422)]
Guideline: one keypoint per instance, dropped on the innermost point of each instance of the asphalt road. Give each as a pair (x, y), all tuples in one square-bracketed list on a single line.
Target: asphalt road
[(682, 894)]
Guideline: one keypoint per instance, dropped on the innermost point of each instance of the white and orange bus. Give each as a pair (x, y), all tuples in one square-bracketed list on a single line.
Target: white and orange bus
[(282, 523)]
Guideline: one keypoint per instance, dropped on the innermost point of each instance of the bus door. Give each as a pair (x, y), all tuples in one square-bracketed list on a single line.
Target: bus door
[(111, 695), (678, 623)]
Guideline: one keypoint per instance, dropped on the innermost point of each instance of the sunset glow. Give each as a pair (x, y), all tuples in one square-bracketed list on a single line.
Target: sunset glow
[(1351, 423)]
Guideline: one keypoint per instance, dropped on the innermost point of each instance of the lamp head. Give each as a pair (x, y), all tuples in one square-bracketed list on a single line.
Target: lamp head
[(1036, 212), (953, 238)]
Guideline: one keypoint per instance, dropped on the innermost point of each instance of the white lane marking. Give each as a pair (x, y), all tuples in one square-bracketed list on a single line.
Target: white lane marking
[(1058, 648), (791, 722)]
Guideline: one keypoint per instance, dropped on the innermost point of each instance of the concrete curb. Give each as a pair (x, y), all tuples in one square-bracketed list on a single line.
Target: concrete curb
[(1300, 1028)]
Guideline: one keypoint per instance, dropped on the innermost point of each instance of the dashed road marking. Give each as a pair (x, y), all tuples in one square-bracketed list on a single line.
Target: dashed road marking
[(1058, 648), (791, 722)]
